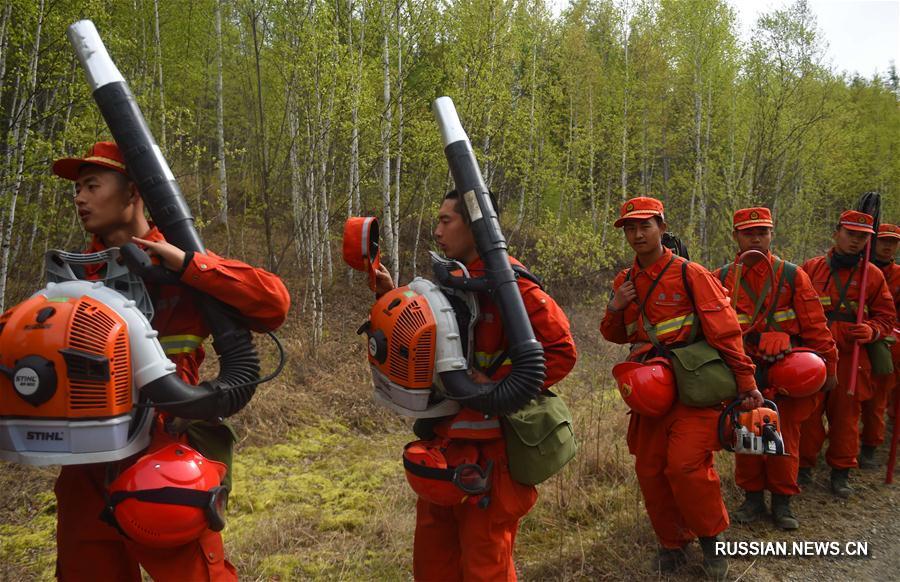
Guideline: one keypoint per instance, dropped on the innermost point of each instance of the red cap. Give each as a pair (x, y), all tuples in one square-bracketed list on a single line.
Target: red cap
[(889, 231), (753, 217), (639, 208), (858, 221), (102, 153)]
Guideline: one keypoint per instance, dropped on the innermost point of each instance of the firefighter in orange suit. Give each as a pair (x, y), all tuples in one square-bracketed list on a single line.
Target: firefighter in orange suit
[(674, 453), (468, 542), (111, 209), (836, 277), (873, 409), (794, 317)]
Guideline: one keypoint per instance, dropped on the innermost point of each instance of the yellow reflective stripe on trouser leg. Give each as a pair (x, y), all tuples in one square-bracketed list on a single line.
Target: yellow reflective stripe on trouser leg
[(180, 344)]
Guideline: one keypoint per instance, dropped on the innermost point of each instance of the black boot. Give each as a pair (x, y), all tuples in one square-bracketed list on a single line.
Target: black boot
[(753, 507), (716, 566), (781, 512), (804, 476), (866, 458), (668, 560), (840, 483)]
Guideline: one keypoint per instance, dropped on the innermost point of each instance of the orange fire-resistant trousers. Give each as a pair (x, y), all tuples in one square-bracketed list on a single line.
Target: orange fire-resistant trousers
[(674, 466), (843, 412), (88, 549), (467, 543), (873, 409), (778, 474)]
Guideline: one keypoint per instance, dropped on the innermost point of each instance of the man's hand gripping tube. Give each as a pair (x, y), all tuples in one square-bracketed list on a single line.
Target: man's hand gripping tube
[(526, 380), (239, 371)]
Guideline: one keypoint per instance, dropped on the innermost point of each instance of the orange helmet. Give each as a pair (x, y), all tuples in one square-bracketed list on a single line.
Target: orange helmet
[(800, 373), (446, 472), (168, 497), (647, 388)]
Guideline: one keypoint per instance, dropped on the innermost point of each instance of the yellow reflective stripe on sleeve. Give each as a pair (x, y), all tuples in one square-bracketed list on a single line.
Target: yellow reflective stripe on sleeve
[(485, 360), (825, 301), (785, 315), (674, 324), (180, 344), (779, 316)]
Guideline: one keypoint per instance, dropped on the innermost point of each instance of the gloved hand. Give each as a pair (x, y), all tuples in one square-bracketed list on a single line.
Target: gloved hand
[(773, 345), (859, 332)]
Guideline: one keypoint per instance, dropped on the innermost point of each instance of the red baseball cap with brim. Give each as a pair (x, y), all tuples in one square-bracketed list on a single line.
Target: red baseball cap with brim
[(858, 221), (889, 231), (103, 153), (639, 208), (752, 218), (360, 245)]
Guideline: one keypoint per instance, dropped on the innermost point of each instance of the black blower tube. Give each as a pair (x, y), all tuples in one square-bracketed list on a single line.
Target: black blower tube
[(526, 380), (239, 362)]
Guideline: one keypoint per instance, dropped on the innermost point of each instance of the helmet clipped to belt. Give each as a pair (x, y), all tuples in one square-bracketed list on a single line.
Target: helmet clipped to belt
[(446, 472), (168, 497), (800, 373), (647, 388)]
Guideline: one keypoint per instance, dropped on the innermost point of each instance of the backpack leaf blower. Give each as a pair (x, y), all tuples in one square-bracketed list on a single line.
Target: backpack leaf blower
[(239, 362), (420, 336), (752, 432), (81, 367)]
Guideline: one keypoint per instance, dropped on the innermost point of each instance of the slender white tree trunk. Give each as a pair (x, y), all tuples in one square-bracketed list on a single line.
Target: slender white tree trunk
[(159, 67), (220, 123), (395, 248), (386, 126), (21, 147)]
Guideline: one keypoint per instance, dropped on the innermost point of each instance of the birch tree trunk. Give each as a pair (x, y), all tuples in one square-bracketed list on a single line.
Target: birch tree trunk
[(528, 181), (22, 145), (353, 201), (220, 125), (624, 169), (263, 144), (386, 126), (162, 93), (395, 213)]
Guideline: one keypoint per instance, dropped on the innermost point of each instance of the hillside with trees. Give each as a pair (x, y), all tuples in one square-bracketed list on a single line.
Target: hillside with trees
[(282, 118)]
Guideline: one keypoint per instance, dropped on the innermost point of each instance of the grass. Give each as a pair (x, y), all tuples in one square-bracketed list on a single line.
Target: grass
[(320, 494)]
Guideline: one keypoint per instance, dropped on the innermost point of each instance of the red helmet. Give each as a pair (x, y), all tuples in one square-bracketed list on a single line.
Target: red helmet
[(169, 497), (800, 373), (647, 388), (446, 472)]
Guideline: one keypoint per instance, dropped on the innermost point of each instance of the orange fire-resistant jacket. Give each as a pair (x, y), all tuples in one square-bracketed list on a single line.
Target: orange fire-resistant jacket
[(260, 296), (798, 312), (673, 311), (879, 311)]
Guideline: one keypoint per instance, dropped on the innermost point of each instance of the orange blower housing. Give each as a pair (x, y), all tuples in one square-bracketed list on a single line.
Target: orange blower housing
[(67, 392), (413, 336)]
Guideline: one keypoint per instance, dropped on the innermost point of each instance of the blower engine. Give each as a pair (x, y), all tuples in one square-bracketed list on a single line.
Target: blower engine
[(73, 358), (420, 336), (754, 432), (80, 364)]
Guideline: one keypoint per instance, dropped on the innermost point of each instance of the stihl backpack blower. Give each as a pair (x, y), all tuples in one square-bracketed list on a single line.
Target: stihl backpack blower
[(81, 367), (420, 335)]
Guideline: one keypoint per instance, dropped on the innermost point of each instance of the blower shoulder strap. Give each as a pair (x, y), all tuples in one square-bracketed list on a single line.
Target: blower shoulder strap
[(524, 273)]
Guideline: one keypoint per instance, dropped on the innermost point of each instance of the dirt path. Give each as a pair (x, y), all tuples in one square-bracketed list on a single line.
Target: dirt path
[(872, 515)]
